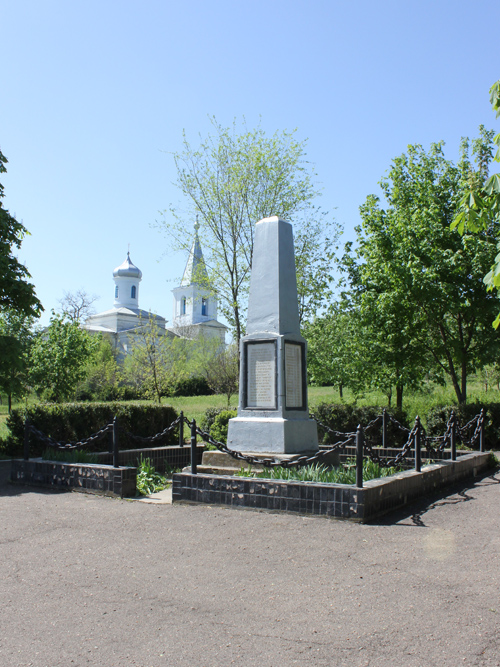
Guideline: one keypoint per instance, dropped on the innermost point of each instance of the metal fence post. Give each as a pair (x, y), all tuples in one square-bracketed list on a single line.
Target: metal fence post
[(193, 448), (26, 443), (384, 428), (453, 444), (360, 438), (418, 453), (481, 431), (181, 429), (116, 451)]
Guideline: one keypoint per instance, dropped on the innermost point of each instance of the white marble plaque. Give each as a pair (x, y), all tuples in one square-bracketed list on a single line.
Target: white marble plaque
[(261, 375), (293, 375)]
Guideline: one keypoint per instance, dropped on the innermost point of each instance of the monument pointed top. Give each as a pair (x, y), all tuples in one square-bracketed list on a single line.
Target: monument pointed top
[(273, 304)]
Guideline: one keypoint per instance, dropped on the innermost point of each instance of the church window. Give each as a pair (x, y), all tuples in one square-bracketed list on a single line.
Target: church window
[(204, 306), (133, 292), (183, 305), (116, 292)]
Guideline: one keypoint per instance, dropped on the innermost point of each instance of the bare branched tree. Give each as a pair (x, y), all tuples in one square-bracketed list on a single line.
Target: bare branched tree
[(77, 306)]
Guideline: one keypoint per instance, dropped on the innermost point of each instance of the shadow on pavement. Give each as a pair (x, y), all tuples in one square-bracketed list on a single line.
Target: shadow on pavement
[(414, 513)]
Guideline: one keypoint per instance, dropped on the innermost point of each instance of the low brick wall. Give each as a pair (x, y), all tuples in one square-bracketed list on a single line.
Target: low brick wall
[(338, 501), (92, 478), (178, 457)]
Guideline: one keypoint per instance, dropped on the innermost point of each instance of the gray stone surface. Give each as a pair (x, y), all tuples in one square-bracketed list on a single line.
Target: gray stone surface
[(88, 580), (272, 409), (272, 302)]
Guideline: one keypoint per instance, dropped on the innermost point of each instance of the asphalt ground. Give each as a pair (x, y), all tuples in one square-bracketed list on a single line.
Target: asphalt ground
[(88, 580)]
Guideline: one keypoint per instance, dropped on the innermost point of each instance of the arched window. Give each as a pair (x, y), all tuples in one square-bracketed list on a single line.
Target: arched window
[(183, 305), (204, 306), (116, 291), (133, 292)]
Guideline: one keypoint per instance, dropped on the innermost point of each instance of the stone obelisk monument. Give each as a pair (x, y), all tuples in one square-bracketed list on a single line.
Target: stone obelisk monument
[(272, 414)]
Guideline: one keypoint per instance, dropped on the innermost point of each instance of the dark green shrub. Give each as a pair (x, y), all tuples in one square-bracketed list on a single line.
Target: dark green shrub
[(218, 430), (68, 422), (195, 386), (209, 417), (438, 417), (346, 418)]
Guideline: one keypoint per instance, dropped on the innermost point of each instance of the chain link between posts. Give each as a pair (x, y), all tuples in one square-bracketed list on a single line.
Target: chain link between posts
[(347, 440)]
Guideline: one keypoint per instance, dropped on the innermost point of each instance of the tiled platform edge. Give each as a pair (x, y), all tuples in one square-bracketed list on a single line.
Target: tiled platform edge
[(334, 500), (160, 457), (93, 478)]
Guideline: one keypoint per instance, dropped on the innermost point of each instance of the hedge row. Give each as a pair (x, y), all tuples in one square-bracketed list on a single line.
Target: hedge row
[(345, 418), (69, 422), (438, 416)]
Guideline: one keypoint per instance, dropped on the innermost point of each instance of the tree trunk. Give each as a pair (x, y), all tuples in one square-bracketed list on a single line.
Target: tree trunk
[(341, 390), (464, 377), (389, 398), (399, 396), (9, 399)]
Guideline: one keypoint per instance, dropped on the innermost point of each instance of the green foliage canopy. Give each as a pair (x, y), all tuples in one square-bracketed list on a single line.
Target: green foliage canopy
[(418, 277), (16, 293), (59, 358), (233, 180)]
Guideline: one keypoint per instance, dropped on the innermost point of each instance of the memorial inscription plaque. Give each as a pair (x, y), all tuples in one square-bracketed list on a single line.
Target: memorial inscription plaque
[(261, 375), (293, 375)]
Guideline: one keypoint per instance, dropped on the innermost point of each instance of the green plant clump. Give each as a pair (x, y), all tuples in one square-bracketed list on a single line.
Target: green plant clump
[(148, 480), (69, 456), (318, 472)]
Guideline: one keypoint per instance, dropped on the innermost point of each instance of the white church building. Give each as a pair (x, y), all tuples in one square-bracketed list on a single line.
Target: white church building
[(195, 306)]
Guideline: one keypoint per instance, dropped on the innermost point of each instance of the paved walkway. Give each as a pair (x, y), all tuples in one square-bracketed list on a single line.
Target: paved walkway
[(87, 580)]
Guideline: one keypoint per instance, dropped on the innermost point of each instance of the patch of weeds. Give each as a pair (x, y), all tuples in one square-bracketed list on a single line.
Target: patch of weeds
[(493, 461), (69, 456), (318, 472), (148, 480)]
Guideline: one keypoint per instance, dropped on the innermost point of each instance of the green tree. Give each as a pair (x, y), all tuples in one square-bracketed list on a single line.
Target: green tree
[(479, 207), (16, 293), (156, 362), (232, 180), (102, 376), (220, 367), (421, 281), (59, 357), (335, 350), (15, 342)]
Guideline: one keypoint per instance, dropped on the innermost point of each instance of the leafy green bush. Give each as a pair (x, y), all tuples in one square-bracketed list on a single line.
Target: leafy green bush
[(208, 418), (195, 386), (218, 430), (148, 480), (346, 418), (69, 422), (437, 418)]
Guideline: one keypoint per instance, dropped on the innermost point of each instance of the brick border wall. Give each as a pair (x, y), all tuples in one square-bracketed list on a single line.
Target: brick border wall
[(92, 478), (160, 456), (333, 500)]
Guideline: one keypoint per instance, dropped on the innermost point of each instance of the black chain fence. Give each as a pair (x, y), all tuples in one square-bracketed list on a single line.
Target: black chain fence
[(364, 439)]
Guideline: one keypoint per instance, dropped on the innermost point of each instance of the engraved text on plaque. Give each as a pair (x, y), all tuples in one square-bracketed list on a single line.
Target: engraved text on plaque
[(293, 374), (261, 375)]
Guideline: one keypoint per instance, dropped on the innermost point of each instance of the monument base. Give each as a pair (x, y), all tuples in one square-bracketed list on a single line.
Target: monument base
[(272, 435)]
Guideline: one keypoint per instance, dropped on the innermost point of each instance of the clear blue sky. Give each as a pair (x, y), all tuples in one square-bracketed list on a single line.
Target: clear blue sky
[(95, 96)]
